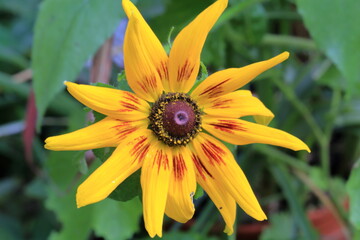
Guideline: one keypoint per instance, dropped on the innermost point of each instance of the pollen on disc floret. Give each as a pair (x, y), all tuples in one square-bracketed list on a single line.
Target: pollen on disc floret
[(175, 119)]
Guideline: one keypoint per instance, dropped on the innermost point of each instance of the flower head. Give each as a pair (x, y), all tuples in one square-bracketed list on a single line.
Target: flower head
[(174, 136)]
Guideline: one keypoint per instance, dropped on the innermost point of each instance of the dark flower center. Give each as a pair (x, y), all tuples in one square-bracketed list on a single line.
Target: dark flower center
[(175, 119)]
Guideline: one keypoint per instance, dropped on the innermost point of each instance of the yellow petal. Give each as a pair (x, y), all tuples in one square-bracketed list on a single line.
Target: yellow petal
[(179, 205), (111, 102), (108, 132), (231, 79), (240, 132), (224, 202), (125, 160), (155, 178), (151, 43), (221, 165), (236, 104), (139, 54), (184, 59)]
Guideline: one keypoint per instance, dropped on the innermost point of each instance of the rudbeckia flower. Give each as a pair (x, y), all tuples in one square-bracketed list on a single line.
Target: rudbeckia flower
[(173, 134)]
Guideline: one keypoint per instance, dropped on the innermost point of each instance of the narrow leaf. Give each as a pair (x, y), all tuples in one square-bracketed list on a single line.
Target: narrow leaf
[(353, 189)]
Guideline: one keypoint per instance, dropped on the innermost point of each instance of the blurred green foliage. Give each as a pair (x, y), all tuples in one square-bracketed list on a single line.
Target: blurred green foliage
[(314, 95)]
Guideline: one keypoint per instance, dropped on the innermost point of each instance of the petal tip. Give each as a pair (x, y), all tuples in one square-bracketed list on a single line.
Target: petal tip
[(79, 204), (224, 2), (69, 84), (285, 55), (48, 144), (261, 217), (228, 230), (128, 7), (151, 234), (303, 146), (80, 201)]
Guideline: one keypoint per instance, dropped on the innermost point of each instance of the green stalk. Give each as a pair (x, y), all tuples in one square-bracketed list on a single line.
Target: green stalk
[(281, 158), (318, 132), (323, 137), (289, 42), (290, 95), (284, 180), (203, 219), (285, 15)]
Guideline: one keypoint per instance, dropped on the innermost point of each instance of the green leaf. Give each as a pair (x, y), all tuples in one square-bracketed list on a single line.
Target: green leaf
[(332, 77), (349, 113), (334, 25), (353, 189), (317, 176), (109, 219), (177, 14), (122, 83), (103, 153), (255, 24), (199, 192), (100, 84), (128, 189), (36, 189), (203, 74), (80, 159), (214, 51), (61, 198), (67, 33), (10, 228), (168, 45), (281, 227), (356, 234), (117, 220)]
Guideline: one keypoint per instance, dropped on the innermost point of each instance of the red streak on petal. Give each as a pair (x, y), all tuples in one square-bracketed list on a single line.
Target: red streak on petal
[(221, 103), (201, 169), (124, 128), (143, 153), (214, 90), (131, 97), (140, 149), (185, 71), (128, 107), (228, 126), (148, 84), (151, 81), (213, 152), (163, 70), (179, 167), (161, 160)]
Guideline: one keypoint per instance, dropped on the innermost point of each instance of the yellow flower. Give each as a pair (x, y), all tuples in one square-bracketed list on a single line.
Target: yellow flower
[(165, 131)]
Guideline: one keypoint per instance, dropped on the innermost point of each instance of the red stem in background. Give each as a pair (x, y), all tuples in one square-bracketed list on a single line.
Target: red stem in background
[(29, 132)]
